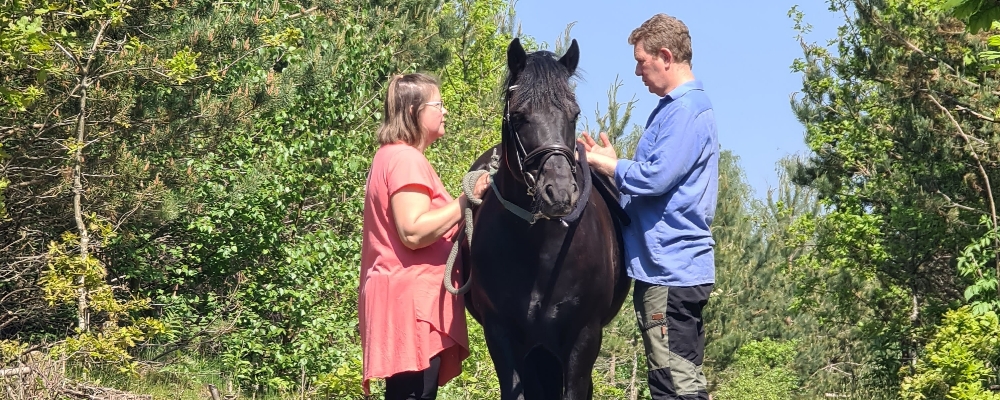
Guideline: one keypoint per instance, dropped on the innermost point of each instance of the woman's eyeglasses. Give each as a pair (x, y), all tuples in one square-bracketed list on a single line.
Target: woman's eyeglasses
[(438, 104)]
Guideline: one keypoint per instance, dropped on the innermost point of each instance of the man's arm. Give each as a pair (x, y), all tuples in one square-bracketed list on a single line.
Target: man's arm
[(676, 148), (602, 164)]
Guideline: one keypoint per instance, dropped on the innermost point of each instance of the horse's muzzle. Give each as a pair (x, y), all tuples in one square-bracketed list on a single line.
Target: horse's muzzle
[(556, 188)]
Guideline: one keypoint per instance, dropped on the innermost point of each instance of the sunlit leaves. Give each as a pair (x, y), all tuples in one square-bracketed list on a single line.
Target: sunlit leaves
[(974, 262), (183, 66), (900, 174), (960, 361)]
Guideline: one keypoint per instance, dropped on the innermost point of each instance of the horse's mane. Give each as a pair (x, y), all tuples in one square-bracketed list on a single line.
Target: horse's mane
[(543, 79)]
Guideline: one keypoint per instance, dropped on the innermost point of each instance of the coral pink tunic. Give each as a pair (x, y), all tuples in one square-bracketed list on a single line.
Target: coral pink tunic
[(406, 315)]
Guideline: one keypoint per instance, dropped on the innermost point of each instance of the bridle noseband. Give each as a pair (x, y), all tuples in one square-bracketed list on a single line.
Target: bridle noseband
[(536, 157)]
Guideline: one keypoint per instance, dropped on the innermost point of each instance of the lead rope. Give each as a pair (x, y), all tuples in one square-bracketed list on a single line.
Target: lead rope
[(468, 187)]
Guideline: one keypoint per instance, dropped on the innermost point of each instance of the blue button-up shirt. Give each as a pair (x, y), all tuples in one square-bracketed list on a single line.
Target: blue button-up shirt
[(669, 191)]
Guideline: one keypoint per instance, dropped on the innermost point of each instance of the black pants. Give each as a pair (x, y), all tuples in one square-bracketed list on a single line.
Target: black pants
[(673, 334), (414, 385)]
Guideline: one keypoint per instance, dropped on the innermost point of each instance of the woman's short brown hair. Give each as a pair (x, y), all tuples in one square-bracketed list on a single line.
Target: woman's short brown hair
[(664, 31), (405, 96)]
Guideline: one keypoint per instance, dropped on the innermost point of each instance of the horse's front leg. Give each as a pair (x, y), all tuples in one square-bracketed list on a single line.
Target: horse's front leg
[(579, 365), (502, 351)]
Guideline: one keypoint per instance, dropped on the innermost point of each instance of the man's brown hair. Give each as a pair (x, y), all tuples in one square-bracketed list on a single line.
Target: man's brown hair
[(664, 31), (405, 96)]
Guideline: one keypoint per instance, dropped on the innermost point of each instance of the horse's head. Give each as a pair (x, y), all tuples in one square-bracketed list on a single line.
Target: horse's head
[(539, 127)]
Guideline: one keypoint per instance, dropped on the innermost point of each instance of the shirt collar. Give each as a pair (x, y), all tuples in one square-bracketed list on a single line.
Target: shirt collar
[(677, 93), (683, 89)]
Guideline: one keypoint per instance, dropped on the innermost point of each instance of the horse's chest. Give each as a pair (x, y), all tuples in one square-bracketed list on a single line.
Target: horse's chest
[(537, 273)]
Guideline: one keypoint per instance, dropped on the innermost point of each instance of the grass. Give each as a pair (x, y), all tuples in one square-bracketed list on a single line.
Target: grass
[(186, 377)]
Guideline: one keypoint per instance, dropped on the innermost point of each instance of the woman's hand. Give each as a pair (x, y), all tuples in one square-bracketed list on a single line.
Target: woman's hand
[(482, 184)]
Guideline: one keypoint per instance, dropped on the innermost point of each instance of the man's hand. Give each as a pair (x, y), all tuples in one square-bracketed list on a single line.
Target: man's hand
[(604, 149), (602, 158)]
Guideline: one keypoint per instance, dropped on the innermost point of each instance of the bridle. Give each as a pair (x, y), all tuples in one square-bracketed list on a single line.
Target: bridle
[(537, 157)]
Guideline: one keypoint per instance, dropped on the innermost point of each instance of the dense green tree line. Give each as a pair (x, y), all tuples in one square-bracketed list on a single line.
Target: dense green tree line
[(183, 181), (906, 157), (190, 174)]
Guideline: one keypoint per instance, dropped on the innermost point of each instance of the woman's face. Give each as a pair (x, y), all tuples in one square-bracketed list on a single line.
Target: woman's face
[(431, 117)]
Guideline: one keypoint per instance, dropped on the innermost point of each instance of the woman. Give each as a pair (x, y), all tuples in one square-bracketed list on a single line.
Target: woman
[(413, 333)]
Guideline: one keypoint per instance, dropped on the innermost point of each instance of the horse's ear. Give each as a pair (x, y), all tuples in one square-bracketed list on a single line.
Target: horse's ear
[(516, 57), (572, 57)]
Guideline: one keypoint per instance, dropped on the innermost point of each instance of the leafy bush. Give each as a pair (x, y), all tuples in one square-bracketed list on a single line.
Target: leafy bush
[(961, 360), (761, 371)]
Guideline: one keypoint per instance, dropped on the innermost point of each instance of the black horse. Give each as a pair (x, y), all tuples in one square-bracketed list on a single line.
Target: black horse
[(546, 259)]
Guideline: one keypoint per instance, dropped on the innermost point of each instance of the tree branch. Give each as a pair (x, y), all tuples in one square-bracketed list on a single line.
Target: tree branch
[(959, 206), (982, 171), (977, 115), (68, 54)]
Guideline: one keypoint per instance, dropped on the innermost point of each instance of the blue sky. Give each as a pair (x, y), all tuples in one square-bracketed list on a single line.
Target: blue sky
[(742, 52)]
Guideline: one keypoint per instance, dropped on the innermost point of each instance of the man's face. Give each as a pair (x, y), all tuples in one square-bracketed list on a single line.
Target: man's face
[(652, 68)]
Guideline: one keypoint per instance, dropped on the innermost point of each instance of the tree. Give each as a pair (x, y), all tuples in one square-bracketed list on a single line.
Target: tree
[(754, 299), (905, 162), (981, 16), (99, 101), (614, 120)]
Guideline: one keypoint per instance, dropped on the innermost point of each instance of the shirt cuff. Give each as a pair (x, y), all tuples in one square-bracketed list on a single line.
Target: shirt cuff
[(621, 169)]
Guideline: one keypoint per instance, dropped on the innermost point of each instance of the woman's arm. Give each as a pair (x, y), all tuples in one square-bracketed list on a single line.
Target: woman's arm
[(417, 225)]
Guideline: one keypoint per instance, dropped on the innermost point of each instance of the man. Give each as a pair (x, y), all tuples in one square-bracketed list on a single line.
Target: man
[(669, 190)]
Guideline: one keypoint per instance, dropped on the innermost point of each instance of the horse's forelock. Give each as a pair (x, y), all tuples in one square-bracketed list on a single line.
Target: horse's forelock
[(541, 77)]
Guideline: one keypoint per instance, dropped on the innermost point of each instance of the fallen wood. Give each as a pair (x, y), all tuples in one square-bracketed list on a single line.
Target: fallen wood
[(14, 371), (212, 390)]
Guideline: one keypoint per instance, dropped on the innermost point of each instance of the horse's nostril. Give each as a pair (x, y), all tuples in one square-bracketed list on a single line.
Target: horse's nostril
[(550, 192)]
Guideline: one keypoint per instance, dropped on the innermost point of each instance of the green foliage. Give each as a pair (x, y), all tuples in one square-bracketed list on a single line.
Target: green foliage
[(620, 370), (163, 152), (604, 391), (978, 15), (267, 227), (22, 37), (298, 305), (183, 66), (10, 350), (973, 262), (613, 122), (70, 276), (961, 360), (343, 382), (109, 347), (470, 86), (761, 371), (223, 158), (759, 243), (905, 162), (478, 379)]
